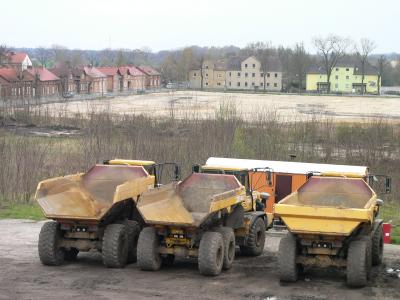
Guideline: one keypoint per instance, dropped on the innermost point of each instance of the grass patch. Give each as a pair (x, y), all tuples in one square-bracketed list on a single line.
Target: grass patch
[(21, 211), (390, 211)]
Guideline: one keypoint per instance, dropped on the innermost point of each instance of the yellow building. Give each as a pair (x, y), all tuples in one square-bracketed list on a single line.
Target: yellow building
[(345, 78), (212, 74)]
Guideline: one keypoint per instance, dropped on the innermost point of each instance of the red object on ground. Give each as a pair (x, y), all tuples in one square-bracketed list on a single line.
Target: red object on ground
[(387, 232)]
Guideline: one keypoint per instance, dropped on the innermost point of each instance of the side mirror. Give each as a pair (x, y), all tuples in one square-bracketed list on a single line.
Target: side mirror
[(264, 195), (196, 168), (388, 185), (379, 202), (177, 172)]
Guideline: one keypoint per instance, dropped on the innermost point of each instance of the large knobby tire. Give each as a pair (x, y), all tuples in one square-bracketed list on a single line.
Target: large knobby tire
[(255, 239), (148, 257), (133, 230), (211, 254), (358, 262), (228, 237), (115, 246), (50, 253), (288, 268), (377, 246)]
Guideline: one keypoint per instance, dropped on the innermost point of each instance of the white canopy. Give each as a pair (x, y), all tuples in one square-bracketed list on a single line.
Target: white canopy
[(286, 166)]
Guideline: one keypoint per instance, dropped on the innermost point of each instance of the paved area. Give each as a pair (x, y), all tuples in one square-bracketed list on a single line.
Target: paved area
[(23, 277)]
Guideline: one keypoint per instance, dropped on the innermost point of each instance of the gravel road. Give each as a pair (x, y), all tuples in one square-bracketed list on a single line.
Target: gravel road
[(23, 277)]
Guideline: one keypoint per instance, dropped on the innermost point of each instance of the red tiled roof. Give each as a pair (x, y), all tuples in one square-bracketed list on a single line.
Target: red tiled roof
[(93, 72), (148, 70), (44, 74), (9, 74), (135, 71), (16, 57), (111, 71)]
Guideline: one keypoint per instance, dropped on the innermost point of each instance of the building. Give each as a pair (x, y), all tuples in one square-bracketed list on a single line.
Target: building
[(114, 78), (238, 74), (346, 78), (17, 60), (133, 78), (92, 80), (16, 84), (44, 82), (152, 77)]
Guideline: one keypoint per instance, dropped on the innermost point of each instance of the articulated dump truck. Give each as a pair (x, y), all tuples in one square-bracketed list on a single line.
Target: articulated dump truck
[(332, 221), (94, 210), (205, 216)]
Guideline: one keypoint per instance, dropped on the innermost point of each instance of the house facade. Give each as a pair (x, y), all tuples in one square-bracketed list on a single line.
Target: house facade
[(237, 74), (44, 82), (152, 77), (345, 78), (113, 78), (17, 60)]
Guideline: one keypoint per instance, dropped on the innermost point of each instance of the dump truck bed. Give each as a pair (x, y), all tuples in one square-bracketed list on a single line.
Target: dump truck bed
[(328, 205), (89, 196), (190, 202)]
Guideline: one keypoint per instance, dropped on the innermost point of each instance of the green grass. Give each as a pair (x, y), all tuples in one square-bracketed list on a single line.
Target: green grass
[(21, 211), (390, 211)]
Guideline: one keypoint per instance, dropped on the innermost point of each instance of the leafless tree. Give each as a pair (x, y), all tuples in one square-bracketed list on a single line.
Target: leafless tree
[(383, 62), (43, 55), (331, 48), (300, 63), (3, 54), (363, 50)]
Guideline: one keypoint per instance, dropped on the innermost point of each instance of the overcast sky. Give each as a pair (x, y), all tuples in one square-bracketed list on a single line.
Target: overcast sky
[(170, 24)]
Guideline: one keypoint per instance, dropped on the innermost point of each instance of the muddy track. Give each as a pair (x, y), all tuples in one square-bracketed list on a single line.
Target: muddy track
[(23, 277)]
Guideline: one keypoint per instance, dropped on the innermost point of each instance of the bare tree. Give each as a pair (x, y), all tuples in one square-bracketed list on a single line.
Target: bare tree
[(332, 48), (383, 62), (43, 55), (300, 63), (363, 50), (3, 54)]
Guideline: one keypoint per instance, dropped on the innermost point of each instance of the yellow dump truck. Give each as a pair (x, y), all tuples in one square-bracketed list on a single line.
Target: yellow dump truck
[(94, 210), (204, 216), (331, 221)]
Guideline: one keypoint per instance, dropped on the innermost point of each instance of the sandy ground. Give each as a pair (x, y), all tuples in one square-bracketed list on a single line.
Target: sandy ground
[(250, 106), (23, 277)]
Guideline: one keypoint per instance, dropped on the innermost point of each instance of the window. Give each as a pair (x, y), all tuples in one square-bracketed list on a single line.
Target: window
[(347, 77), (245, 84), (206, 74), (253, 84), (276, 75), (245, 65), (347, 69), (230, 74), (253, 75), (262, 83), (268, 75), (254, 65), (219, 75), (218, 83), (246, 74), (267, 83), (262, 74), (337, 69), (275, 84), (206, 66), (238, 74), (230, 83), (194, 74), (206, 83), (238, 84), (337, 77)]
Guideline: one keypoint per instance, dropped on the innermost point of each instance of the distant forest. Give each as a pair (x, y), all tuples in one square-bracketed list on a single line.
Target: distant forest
[(175, 64)]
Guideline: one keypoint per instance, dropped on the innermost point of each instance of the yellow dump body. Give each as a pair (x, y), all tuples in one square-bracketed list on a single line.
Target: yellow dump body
[(328, 205), (89, 196), (189, 202)]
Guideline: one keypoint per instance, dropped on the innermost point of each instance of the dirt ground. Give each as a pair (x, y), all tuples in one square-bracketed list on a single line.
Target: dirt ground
[(23, 277), (250, 106)]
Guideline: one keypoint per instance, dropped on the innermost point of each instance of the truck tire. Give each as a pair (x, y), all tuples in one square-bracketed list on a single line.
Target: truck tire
[(228, 237), (133, 229), (377, 246), (211, 254), (255, 239), (358, 262), (288, 268), (115, 246), (148, 257), (50, 253), (70, 255)]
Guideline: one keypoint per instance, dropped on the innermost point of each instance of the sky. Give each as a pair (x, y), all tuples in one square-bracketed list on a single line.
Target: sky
[(173, 24)]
